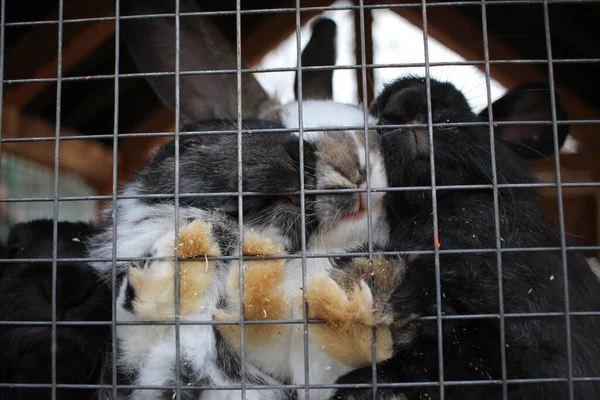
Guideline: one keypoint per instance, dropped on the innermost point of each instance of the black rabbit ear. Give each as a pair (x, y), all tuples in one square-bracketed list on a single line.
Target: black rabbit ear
[(528, 102), (319, 52), (151, 43)]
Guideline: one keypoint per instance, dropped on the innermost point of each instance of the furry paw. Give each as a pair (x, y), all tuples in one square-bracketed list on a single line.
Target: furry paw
[(264, 298), (351, 310), (154, 283)]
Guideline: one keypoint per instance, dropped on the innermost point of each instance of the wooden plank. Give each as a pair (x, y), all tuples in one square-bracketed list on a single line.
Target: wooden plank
[(586, 161), (79, 41), (87, 158), (462, 36), (137, 150)]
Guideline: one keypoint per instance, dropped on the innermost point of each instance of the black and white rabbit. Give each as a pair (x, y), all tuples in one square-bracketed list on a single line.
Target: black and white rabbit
[(26, 295), (535, 347), (209, 163), (146, 227)]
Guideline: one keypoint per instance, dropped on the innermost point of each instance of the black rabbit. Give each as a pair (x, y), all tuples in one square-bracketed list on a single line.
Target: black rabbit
[(26, 295), (532, 281)]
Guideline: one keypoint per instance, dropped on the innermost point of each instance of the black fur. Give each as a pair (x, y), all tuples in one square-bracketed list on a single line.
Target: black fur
[(535, 347), (208, 163), (25, 295)]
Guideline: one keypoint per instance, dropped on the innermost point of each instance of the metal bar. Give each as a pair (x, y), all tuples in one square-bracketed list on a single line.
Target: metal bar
[(177, 367), (307, 68), (561, 217), (2, 29), (327, 386), (288, 130), (306, 385), (318, 255), (115, 171), (238, 60), (302, 9), (56, 193), (294, 321), (365, 96), (308, 191), (496, 195), (438, 284)]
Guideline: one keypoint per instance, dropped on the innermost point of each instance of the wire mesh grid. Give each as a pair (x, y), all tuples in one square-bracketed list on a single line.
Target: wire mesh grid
[(179, 387)]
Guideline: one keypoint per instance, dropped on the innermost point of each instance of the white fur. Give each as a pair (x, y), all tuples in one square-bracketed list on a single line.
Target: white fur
[(150, 350), (147, 350), (322, 114)]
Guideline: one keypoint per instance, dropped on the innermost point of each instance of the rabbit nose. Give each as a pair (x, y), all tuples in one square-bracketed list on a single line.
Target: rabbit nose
[(73, 283), (418, 141)]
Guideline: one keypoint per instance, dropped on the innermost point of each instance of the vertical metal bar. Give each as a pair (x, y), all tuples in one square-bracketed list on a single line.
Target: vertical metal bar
[(56, 192), (561, 216), (438, 289), (176, 200), (366, 92), (363, 34), (302, 199), (238, 68), (2, 29), (486, 55), (114, 199)]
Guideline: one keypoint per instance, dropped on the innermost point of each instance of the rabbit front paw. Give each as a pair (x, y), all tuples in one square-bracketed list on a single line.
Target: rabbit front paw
[(264, 298), (153, 284), (351, 310)]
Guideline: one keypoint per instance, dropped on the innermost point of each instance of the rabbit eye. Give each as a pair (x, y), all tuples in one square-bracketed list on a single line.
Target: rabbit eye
[(193, 141)]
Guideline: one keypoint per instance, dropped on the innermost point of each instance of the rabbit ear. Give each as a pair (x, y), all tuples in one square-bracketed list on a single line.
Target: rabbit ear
[(320, 51), (528, 102), (151, 43)]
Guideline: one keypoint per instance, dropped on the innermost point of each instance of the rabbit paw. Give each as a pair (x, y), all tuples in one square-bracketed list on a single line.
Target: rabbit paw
[(153, 285), (264, 298), (351, 310)]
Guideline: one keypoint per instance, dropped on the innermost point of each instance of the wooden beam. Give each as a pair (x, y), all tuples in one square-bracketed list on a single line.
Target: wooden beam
[(34, 55), (368, 24), (87, 158), (461, 35), (583, 165), (136, 151)]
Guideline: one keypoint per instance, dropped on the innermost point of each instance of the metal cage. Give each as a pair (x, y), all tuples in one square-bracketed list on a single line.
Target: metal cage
[(110, 149)]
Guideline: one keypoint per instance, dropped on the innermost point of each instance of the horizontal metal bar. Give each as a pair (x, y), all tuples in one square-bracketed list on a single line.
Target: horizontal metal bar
[(134, 75), (282, 10), (286, 130), (312, 386), (310, 255), (310, 192), (291, 321)]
